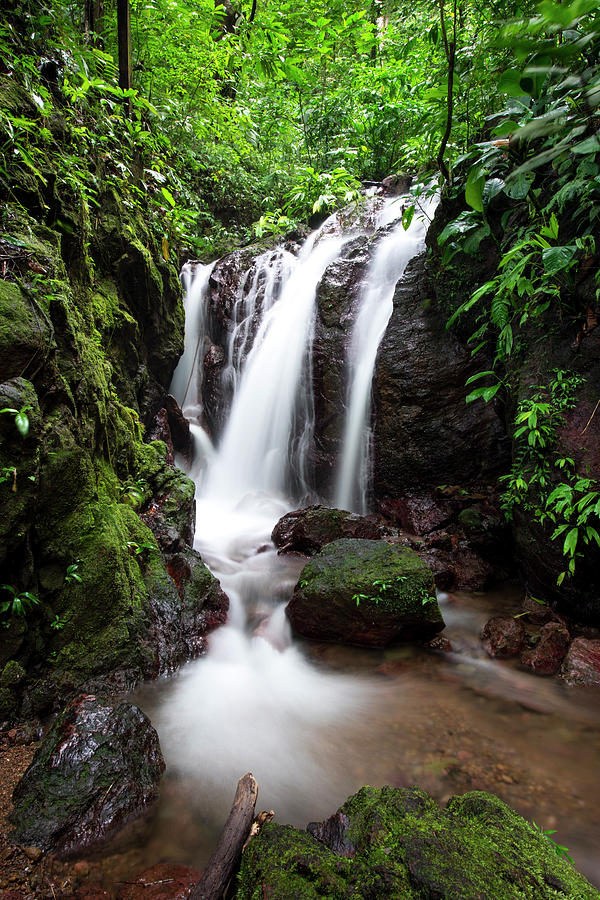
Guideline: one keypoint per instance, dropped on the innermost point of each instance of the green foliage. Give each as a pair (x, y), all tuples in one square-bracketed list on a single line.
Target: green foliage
[(572, 505), (18, 604), (21, 418), (558, 848)]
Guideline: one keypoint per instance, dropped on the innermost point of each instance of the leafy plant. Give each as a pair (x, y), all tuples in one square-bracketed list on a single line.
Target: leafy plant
[(72, 574), (573, 504), (21, 418), (58, 623), (558, 848), (132, 491), (18, 604)]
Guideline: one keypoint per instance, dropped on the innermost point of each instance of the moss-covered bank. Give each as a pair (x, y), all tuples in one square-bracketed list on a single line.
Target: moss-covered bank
[(398, 843)]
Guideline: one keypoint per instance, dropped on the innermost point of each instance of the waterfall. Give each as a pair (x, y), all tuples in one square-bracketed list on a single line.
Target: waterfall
[(187, 377), (268, 433), (392, 255)]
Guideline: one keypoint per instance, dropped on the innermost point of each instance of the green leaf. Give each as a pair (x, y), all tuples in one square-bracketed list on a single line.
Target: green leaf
[(517, 186), (510, 83), (590, 145), (570, 544), (474, 188), (168, 196), (557, 258), (22, 423), (486, 393)]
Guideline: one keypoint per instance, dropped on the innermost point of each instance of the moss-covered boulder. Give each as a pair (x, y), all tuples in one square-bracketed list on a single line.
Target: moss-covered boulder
[(98, 767), (385, 842), (308, 530), (365, 592)]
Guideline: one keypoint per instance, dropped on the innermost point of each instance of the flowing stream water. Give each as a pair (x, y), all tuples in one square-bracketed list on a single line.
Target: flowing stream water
[(315, 722)]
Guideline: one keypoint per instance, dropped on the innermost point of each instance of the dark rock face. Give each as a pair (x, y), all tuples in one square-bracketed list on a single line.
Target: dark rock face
[(388, 843), (503, 637), (545, 658), (582, 663), (337, 298), (365, 592), (425, 434), (98, 767), (308, 530)]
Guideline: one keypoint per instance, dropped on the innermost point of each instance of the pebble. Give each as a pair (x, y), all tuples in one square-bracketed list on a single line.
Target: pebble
[(32, 853), (81, 868)]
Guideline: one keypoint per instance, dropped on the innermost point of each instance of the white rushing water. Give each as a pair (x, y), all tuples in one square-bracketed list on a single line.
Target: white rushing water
[(254, 702), (392, 255)]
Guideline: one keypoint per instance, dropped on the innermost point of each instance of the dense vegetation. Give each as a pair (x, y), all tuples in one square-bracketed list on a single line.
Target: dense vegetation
[(245, 119)]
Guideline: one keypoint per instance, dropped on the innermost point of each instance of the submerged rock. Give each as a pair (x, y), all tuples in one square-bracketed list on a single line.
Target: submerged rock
[(365, 592), (308, 530), (164, 881), (98, 768)]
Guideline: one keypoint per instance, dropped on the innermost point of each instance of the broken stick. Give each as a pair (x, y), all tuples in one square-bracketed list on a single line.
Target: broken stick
[(228, 851)]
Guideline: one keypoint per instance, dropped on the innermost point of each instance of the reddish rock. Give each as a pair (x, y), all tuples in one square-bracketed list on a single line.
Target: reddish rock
[(582, 663), (160, 431), (165, 881), (546, 657), (503, 637), (419, 513), (538, 613), (471, 571), (308, 530), (440, 644)]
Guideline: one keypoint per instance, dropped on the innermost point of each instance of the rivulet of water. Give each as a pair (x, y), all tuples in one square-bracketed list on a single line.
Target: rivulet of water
[(393, 253)]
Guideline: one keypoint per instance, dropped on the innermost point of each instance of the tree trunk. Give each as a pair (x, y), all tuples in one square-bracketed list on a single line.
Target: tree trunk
[(124, 34)]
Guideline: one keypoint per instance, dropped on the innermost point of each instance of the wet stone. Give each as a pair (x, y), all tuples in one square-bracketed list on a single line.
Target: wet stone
[(503, 637)]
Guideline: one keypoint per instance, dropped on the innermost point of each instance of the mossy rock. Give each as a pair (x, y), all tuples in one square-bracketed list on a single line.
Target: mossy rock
[(25, 333), (387, 842), (365, 592), (98, 767), (308, 530)]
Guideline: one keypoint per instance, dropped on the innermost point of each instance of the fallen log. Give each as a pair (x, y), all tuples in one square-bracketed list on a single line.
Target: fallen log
[(228, 851)]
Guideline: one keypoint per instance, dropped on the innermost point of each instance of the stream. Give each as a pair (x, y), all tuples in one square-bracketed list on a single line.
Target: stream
[(314, 722)]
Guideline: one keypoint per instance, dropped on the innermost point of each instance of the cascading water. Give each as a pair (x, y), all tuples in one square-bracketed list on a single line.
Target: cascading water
[(312, 737), (254, 702), (392, 255)]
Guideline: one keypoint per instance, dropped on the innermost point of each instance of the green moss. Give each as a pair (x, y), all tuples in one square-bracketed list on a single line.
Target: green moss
[(401, 844)]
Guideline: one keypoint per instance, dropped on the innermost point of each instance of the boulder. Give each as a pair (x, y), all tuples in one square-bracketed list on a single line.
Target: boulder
[(391, 843), (308, 530), (99, 767), (545, 658), (503, 636), (365, 592), (425, 434), (582, 663)]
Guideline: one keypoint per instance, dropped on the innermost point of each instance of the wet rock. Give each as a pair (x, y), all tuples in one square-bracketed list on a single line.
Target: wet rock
[(308, 530), (365, 592), (337, 299), (392, 843), (395, 185), (419, 513), (165, 881), (538, 612), (99, 767), (425, 435), (503, 637), (582, 663), (545, 658), (440, 644), (179, 427), (90, 892), (159, 430), (471, 571), (170, 512)]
